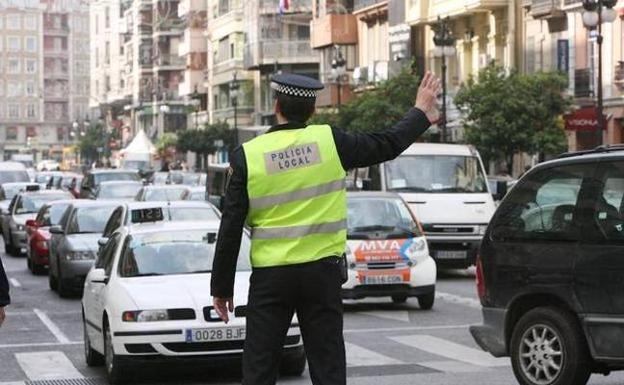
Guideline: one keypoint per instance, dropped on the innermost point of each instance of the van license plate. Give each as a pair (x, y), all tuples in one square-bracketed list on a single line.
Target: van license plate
[(446, 254), (382, 279), (216, 334)]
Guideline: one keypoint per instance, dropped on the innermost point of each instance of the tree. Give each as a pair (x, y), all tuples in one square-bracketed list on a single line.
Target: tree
[(203, 142), (376, 109), (95, 142), (164, 145), (506, 113)]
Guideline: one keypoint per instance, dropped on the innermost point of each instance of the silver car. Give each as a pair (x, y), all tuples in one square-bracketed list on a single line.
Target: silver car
[(23, 207), (9, 190), (74, 244), (118, 190), (196, 193), (162, 193)]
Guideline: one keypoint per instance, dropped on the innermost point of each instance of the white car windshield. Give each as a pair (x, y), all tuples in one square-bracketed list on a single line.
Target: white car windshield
[(164, 194), (90, 220), (383, 217), (31, 204), (435, 174), (192, 214), (173, 252), (119, 190), (52, 214)]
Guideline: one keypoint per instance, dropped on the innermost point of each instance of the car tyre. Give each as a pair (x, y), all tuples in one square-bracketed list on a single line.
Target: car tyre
[(92, 357), (8, 246), (426, 301), (293, 364), (62, 288), (549, 340), (399, 298), (115, 368), (29, 263), (52, 281)]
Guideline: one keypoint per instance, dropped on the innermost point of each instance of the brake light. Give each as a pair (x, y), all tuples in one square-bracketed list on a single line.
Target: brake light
[(481, 289)]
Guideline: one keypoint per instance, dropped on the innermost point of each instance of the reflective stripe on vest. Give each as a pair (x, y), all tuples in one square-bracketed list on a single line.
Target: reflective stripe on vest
[(297, 196)]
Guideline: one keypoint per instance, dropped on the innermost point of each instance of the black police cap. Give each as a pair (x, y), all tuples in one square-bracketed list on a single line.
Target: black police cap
[(296, 85)]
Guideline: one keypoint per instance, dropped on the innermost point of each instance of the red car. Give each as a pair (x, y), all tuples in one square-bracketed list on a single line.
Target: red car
[(37, 246)]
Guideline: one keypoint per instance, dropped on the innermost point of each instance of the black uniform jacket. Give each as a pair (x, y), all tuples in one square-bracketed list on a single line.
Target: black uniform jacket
[(355, 150), (4, 288)]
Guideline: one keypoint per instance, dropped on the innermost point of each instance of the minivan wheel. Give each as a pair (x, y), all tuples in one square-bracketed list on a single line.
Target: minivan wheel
[(426, 301), (548, 348), (399, 298)]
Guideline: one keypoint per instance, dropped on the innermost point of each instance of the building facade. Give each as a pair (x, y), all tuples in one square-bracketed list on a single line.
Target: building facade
[(43, 76)]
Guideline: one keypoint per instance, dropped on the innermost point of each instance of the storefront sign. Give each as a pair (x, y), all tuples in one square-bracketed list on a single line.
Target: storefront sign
[(584, 119)]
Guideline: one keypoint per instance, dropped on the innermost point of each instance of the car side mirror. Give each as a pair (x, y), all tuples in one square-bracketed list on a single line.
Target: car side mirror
[(102, 241), (98, 276), (501, 190), (366, 184), (56, 229)]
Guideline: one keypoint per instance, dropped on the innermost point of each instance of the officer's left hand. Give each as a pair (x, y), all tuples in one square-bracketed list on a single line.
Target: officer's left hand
[(222, 306), (2, 315)]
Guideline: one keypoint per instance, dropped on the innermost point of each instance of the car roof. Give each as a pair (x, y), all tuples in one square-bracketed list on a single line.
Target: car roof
[(172, 226), (118, 182), (53, 173), (173, 204), (165, 187), (45, 192), (581, 157), (79, 203), (440, 149), (12, 166), (13, 184), (197, 188), (61, 202), (112, 171), (373, 194)]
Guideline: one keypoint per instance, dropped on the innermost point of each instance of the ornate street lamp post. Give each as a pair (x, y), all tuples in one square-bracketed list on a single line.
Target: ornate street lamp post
[(444, 42), (234, 87), (338, 71), (196, 101), (596, 13)]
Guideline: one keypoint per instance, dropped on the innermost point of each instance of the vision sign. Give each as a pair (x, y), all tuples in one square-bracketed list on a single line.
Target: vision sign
[(584, 119)]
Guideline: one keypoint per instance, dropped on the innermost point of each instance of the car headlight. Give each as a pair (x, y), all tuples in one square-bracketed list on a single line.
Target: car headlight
[(350, 260), (20, 227), (43, 245), (145, 316), (482, 229), (417, 250), (79, 255)]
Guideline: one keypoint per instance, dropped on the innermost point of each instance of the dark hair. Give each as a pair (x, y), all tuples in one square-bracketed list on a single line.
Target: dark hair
[(295, 109)]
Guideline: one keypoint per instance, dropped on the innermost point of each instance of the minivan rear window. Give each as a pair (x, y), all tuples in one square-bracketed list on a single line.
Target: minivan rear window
[(13, 176)]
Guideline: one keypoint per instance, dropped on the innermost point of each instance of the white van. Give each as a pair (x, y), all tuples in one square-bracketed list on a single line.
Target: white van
[(446, 187)]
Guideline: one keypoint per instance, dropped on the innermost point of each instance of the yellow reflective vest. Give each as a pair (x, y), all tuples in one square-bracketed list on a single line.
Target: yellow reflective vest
[(297, 197)]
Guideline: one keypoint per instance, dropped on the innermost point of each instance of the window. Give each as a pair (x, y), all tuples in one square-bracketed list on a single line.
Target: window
[(14, 21), (544, 206), (1, 88), (13, 43), (107, 52), (31, 110), (31, 66), (107, 18), (97, 57), (14, 111), (31, 44), (14, 89), (30, 88), (11, 134), (30, 22), (97, 24), (608, 218), (13, 66)]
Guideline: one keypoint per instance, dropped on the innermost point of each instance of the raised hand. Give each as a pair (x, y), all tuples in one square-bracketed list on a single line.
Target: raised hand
[(426, 99)]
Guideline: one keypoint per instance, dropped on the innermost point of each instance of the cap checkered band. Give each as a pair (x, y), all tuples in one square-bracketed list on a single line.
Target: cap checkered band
[(293, 91)]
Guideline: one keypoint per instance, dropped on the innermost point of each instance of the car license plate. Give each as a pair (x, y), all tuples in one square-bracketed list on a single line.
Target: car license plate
[(446, 254), (382, 279), (215, 334)]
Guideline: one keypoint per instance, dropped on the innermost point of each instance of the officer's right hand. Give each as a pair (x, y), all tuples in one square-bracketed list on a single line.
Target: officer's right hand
[(426, 99), (2, 315), (222, 305)]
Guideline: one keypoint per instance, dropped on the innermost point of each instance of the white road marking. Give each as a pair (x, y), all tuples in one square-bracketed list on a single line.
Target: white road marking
[(407, 328), (451, 350), (47, 366), (453, 298), (359, 356), (13, 383), (395, 315), (15, 282), (450, 366), (38, 344), (60, 336)]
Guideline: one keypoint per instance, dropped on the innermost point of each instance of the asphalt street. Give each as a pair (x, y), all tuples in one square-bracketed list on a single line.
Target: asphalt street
[(41, 340)]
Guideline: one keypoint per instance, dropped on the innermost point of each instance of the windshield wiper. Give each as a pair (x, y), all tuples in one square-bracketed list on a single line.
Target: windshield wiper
[(454, 189), (409, 189), (199, 272), (146, 275)]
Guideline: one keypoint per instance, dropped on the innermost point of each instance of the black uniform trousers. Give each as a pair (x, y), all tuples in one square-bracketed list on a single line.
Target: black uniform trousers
[(312, 290)]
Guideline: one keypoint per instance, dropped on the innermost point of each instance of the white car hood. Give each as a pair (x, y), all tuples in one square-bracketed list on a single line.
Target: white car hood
[(451, 208), (84, 241), (22, 218), (179, 291)]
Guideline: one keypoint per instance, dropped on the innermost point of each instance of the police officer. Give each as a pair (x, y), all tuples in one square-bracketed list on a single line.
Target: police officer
[(289, 186), (4, 293)]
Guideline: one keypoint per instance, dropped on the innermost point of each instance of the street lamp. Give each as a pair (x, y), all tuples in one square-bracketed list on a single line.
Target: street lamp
[(596, 13), (339, 70), (196, 101), (444, 42), (234, 87)]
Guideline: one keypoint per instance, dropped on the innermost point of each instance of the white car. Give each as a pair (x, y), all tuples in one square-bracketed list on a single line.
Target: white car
[(147, 298), (387, 253)]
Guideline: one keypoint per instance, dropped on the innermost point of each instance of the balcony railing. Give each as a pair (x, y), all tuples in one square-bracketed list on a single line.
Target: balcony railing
[(170, 60), (269, 52), (582, 83), (228, 113), (540, 8), (361, 4)]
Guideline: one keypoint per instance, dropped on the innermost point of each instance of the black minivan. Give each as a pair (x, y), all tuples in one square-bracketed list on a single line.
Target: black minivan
[(550, 274)]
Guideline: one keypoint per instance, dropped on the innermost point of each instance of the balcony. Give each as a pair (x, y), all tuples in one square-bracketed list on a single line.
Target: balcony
[(227, 66), (228, 114), (168, 62), (267, 53), (582, 83), (192, 79), (334, 29), (56, 30), (546, 9), (55, 75), (168, 27), (55, 52), (192, 41), (268, 7), (362, 4), (454, 8)]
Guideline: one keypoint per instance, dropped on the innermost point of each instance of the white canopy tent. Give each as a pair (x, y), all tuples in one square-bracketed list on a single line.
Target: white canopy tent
[(140, 145)]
